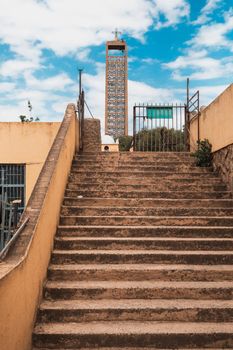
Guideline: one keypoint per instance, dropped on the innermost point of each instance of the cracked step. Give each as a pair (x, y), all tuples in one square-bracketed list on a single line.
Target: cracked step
[(138, 272), (138, 334), (147, 243), (187, 310)]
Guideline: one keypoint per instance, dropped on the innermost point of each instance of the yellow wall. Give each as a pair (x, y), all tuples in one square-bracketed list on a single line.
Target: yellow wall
[(24, 270), (112, 147), (27, 143), (216, 122)]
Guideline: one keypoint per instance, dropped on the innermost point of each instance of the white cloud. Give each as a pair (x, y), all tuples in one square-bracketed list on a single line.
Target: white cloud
[(214, 35), (197, 62), (59, 82), (173, 11), (207, 11), (199, 66), (15, 67), (67, 27), (6, 87), (149, 60), (48, 97)]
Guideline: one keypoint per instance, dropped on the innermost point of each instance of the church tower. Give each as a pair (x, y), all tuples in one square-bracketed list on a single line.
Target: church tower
[(116, 90)]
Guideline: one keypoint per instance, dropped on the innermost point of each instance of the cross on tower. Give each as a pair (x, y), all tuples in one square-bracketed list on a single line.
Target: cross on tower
[(116, 32)]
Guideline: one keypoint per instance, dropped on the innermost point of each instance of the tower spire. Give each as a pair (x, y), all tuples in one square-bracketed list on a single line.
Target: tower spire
[(116, 33)]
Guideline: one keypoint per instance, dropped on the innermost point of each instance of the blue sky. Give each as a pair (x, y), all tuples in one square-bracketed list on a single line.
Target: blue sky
[(44, 42)]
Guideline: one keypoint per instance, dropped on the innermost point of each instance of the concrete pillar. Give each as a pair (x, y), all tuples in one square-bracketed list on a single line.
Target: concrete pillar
[(92, 135)]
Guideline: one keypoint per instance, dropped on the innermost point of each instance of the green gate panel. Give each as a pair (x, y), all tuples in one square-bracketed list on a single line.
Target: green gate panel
[(159, 112)]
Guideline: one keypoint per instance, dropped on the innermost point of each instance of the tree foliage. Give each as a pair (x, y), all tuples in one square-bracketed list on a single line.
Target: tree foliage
[(25, 119), (125, 143), (160, 139)]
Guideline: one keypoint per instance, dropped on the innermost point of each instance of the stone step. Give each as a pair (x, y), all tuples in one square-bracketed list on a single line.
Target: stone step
[(140, 272), (89, 256), (67, 290), (149, 202), (130, 161), (150, 211), (183, 310), (140, 231), (135, 155), (119, 180), (135, 333), (125, 348), (155, 173), (135, 168), (147, 220), (159, 186), (158, 243), (147, 194)]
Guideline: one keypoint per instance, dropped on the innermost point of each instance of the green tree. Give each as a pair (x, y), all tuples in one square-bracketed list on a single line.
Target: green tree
[(125, 143), (26, 119), (160, 139)]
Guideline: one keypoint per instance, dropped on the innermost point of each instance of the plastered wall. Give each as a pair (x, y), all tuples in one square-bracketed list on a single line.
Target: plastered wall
[(27, 143), (216, 122), (23, 271)]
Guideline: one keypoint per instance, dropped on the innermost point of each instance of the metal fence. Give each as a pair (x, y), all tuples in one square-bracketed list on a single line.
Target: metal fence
[(12, 199), (160, 127)]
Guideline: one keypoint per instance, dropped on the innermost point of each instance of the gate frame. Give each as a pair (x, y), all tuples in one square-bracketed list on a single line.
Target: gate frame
[(191, 110), (174, 106)]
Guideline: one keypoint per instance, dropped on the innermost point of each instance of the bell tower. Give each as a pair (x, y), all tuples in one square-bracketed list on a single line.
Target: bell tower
[(116, 89)]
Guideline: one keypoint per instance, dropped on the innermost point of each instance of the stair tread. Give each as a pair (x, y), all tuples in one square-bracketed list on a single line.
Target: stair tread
[(148, 199), (138, 284), (194, 301), (142, 239), (141, 267), (143, 227), (133, 327), (141, 251), (125, 348), (147, 216), (136, 304)]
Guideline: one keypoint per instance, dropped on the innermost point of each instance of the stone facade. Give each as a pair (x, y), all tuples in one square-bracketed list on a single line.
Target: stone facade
[(92, 135), (223, 164)]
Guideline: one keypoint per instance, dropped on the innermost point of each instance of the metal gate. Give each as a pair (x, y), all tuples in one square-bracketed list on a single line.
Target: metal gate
[(12, 199), (160, 128)]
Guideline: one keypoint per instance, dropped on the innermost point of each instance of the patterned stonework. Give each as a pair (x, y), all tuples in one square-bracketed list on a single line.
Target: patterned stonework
[(223, 164), (92, 136)]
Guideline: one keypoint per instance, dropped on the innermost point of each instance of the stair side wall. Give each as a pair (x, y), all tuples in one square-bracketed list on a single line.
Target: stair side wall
[(23, 272), (223, 164)]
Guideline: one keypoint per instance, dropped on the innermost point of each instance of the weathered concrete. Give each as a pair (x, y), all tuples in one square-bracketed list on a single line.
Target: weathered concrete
[(223, 164), (92, 135), (23, 271), (143, 257)]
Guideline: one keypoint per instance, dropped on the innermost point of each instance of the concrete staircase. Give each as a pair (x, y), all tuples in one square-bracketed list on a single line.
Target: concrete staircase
[(143, 257)]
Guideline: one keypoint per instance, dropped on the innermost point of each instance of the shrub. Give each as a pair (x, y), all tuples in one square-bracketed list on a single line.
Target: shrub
[(125, 143), (203, 154), (160, 139)]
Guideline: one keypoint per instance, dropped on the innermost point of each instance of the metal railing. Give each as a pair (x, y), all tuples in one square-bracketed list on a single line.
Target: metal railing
[(81, 103), (14, 237), (9, 218)]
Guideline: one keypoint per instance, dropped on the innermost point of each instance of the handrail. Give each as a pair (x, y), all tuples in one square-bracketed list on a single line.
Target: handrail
[(12, 240)]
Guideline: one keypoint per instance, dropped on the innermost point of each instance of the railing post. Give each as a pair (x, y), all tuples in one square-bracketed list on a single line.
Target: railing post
[(187, 129), (134, 128), (198, 117)]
